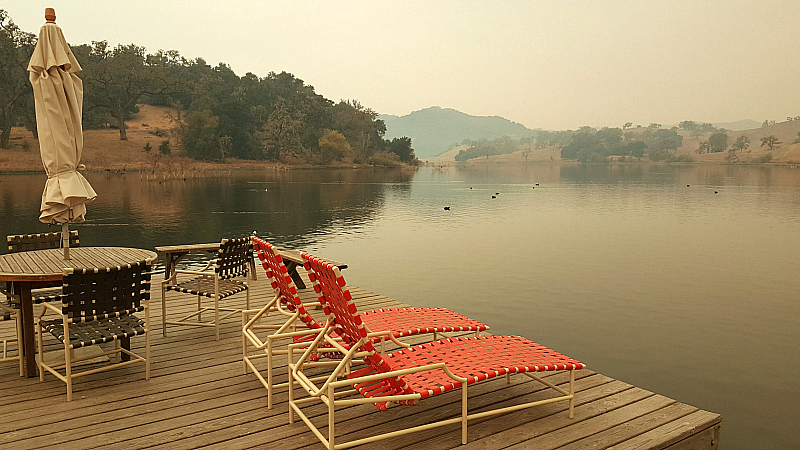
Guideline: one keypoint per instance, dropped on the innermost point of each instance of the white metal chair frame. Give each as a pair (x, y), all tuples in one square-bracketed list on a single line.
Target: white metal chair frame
[(249, 328), (206, 274), (10, 312), (328, 395), (69, 356)]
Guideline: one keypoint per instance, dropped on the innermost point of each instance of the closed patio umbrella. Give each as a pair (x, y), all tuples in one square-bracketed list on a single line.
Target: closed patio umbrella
[(58, 96)]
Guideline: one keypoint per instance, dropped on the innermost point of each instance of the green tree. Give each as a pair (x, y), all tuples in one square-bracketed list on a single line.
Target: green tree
[(770, 141), (402, 148), (116, 79), (333, 146), (361, 126), (164, 148), (718, 142), (660, 142), (741, 143), (16, 94), (198, 134), (281, 133)]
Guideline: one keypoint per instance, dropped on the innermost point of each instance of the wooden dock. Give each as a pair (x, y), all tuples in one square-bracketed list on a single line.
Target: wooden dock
[(198, 396)]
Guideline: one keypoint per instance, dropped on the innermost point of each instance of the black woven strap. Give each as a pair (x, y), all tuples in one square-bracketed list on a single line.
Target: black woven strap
[(96, 332), (234, 258), (204, 286), (93, 294), (40, 241)]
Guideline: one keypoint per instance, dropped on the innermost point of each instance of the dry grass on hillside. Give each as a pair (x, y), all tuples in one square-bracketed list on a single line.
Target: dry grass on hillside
[(104, 151)]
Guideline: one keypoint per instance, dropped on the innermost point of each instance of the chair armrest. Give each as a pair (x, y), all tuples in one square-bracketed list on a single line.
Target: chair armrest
[(47, 306), (395, 373), (193, 272), (388, 333)]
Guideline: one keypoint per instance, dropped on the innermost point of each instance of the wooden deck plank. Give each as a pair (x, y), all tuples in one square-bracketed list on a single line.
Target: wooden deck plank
[(198, 396), (672, 434), (631, 428)]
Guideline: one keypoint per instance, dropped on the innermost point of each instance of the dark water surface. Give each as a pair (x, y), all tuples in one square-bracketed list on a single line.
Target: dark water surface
[(680, 290)]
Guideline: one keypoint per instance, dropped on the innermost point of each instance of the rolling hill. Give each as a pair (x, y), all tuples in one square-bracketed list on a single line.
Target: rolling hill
[(435, 130)]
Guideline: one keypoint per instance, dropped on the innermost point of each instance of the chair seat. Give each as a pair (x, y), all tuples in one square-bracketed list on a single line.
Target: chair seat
[(411, 321), (475, 358), (405, 322), (82, 334), (46, 295), (204, 286)]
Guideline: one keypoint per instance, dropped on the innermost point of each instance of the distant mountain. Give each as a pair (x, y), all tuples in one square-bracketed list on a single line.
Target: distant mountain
[(434, 130), (739, 125)]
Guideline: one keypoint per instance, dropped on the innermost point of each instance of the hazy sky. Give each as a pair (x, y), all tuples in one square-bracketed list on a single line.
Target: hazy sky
[(552, 64)]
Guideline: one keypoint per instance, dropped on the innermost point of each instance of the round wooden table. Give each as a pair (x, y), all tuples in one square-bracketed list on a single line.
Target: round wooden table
[(42, 268)]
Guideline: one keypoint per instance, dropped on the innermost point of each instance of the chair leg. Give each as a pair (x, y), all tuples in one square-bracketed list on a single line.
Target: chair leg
[(463, 413), (289, 359), (331, 411), (216, 314), (244, 343), (147, 341), (572, 393), (164, 309), (199, 310), (68, 365), (269, 372), (39, 342)]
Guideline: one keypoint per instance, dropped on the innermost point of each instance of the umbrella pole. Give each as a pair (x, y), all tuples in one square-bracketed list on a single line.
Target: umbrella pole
[(65, 239)]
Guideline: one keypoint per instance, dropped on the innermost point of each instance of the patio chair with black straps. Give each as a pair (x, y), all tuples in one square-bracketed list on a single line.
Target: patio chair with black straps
[(232, 262), (386, 323), (40, 241), (410, 374), (98, 306)]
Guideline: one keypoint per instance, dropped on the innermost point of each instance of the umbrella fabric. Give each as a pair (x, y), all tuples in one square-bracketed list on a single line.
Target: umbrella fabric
[(58, 96)]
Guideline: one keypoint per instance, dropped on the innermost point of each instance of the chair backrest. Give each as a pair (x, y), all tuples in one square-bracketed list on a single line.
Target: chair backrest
[(92, 294), (342, 312), (281, 281), (233, 258), (40, 241)]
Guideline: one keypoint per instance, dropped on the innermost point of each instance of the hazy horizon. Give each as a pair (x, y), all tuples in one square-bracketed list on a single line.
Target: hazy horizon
[(550, 65)]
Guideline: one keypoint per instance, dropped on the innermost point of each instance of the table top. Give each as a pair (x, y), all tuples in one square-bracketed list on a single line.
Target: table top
[(186, 248), (48, 265)]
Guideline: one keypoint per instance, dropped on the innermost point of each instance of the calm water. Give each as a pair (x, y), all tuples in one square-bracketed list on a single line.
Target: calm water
[(680, 290)]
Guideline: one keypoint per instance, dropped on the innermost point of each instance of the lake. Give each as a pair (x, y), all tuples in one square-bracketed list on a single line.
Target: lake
[(683, 280)]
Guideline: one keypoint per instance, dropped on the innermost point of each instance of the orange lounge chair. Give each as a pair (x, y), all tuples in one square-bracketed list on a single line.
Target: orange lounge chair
[(410, 374), (389, 323)]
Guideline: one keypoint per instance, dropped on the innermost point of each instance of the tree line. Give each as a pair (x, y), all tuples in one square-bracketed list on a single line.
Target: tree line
[(217, 114)]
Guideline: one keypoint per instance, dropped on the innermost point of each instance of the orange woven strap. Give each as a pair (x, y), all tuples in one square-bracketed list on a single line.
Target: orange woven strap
[(281, 281), (410, 321), (341, 309), (477, 359)]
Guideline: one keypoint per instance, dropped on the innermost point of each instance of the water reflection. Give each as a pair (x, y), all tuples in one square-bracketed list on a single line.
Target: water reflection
[(291, 208)]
